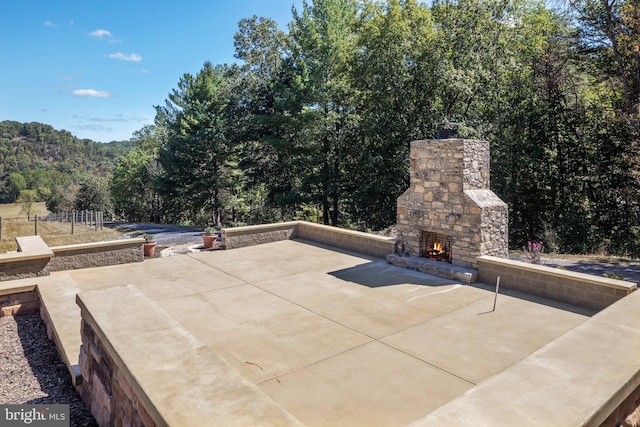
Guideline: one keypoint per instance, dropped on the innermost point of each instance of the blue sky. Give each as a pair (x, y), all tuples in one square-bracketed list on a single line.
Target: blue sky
[(97, 68)]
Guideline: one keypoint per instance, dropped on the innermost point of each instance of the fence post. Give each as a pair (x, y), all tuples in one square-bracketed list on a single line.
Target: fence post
[(0, 229), (73, 220), (35, 224), (95, 220)]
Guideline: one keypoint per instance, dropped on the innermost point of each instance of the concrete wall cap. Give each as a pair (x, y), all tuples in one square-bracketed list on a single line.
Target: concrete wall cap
[(106, 243)]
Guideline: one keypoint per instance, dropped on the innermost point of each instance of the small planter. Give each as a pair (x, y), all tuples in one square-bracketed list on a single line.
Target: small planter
[(149, 245), (210, 236), (209, 240), (150, 249)]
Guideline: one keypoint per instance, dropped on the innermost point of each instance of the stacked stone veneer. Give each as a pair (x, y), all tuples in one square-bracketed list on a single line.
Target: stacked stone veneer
[(449, 193), (105, 390)]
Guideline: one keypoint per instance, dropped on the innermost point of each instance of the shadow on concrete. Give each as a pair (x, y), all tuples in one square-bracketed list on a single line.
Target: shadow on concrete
[(379, 273), (534, 299)]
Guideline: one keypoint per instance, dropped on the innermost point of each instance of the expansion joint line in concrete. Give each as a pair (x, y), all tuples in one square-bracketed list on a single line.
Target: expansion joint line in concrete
[(218, 269), (372, 339)]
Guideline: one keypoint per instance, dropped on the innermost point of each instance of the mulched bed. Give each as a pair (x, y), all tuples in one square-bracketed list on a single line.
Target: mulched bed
[(31, 371)]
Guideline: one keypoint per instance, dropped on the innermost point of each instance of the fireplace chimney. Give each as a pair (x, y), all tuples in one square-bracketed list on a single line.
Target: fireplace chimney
[(449, 195)]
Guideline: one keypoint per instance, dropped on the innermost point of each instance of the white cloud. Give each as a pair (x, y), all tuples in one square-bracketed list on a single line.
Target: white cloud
[(100, 33), (85, 93), (108, 119), (94, 128), (134, 57), (49, 24)]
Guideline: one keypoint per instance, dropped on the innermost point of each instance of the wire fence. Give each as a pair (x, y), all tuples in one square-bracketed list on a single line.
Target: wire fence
[(85, 217)]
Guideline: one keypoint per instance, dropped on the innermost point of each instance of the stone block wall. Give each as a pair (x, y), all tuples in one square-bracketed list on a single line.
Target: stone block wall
[(23, 267), (97, 254), (579, 289), (36, 259), (239, 237)]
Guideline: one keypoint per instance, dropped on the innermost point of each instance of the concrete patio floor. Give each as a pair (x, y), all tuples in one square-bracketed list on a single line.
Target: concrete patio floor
[(334, 337)]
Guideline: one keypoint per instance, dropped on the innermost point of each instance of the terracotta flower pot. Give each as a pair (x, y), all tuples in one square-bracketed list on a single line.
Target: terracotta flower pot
[(150, 249), (209, 240)]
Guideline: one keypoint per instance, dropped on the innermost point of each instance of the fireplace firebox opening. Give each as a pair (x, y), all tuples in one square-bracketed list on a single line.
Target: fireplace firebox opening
[(436, 246)]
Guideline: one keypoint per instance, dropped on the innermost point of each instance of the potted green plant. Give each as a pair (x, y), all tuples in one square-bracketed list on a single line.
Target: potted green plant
[(149, 246), (210, 236)]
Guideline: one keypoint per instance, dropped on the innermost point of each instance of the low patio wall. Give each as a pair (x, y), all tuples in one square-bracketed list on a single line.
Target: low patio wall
[(579, 289), (369, 244), (31, 260), (35, 259), (357, 241), (98, 254), (239, 237)]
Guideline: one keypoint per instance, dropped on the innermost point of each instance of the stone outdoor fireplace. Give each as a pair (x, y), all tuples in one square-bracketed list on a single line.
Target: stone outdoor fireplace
[(449, 214), (436, 246)]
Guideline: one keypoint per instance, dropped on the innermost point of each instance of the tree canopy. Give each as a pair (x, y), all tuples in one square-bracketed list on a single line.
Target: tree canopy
[(315, 122), (49, 162)]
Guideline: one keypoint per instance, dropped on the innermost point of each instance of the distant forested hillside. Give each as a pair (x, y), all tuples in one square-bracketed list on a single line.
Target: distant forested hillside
[(35, 156)]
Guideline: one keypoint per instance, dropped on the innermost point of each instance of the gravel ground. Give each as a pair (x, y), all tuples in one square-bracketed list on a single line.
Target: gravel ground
[(31, 371)]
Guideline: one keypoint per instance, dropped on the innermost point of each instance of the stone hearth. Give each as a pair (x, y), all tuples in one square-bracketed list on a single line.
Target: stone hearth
[(449, 198)]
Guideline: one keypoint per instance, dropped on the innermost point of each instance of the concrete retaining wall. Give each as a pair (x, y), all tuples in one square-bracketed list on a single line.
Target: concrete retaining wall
[(369, 244), (579, 289)]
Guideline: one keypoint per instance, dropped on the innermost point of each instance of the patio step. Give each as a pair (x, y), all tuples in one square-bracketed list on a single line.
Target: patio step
[(62, 316)]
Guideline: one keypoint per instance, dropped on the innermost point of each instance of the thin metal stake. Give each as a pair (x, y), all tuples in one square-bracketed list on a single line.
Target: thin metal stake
[(496, 296)]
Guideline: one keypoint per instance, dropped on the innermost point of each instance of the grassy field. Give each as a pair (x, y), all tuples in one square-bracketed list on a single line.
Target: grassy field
[(15, 224), (14, 210)]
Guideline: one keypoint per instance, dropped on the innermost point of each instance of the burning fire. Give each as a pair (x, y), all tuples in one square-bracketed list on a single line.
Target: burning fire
[(437, 247)]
